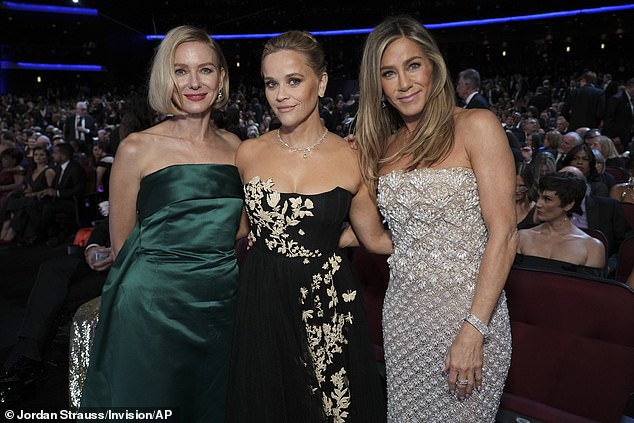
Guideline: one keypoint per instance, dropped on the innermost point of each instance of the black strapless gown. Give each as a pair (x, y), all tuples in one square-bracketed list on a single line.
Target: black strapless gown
[(301, 344)]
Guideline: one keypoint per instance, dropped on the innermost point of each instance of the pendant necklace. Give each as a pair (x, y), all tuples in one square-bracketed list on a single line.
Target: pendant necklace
[(305, 150)]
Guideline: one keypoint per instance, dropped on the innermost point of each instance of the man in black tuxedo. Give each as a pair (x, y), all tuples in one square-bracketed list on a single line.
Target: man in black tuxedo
[(65, 281), (619, 116), (467, 89), (585, 106), (68, 187), (570, 140), (80, 126)]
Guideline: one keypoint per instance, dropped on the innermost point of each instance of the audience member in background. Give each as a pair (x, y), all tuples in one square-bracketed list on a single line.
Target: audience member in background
[(103, 163), (604, 214), (569, 140), (603, 176), (591, 136), (562, 125), (80, 126), (583, 159), (467, 89), (39, 178), (543, 163), (585, 105), (556, 238), (524, 206), (68, 187), (11, 174), (85, 275), (551, 142), (624, 192), (619, 116), (609, 152)]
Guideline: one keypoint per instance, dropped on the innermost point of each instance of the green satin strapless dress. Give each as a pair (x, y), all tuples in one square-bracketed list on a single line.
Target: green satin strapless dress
[(166, 320)]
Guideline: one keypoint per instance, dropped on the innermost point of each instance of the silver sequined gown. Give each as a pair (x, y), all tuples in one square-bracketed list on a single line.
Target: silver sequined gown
[(439, 238)]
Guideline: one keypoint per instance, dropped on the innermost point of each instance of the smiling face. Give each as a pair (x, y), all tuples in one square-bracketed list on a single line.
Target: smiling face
[(291, 86), (198, 77), (406, 78)]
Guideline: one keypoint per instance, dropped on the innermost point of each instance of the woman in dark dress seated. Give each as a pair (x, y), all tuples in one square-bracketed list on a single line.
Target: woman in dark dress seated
[(524, 205), (11, 174), (38, 179), (556, 243)]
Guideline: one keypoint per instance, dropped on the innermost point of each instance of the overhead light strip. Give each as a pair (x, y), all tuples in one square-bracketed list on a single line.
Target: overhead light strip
[(50, 66), (474, 22), (45, 8)]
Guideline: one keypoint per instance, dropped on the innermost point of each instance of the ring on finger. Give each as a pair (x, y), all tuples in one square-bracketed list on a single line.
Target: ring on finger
[(462, 382)]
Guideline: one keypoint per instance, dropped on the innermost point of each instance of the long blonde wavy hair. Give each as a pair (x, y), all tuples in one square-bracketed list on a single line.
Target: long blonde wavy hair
[(434, 135)]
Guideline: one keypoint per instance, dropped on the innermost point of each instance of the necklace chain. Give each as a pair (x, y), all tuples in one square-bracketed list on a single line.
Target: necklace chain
[(306, 150)]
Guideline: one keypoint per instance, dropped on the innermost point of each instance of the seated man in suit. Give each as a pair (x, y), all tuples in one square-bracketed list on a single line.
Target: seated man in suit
[(56, 276), (604, 214), (467, 89), (68, 187)]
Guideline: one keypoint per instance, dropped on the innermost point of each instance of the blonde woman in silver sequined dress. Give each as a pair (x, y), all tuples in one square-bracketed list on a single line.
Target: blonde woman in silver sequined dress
[(445, 178)]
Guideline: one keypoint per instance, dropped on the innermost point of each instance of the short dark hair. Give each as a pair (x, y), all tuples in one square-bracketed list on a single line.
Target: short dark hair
[(13, 153), (593, 162), (66, 149), (569, 187)]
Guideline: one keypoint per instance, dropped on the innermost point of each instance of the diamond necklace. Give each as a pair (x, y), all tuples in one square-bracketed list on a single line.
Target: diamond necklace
[(306, 150)]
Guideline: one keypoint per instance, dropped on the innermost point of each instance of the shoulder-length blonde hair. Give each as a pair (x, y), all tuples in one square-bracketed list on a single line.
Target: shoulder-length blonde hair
[(434, 137), (162, 82), (607, 147)]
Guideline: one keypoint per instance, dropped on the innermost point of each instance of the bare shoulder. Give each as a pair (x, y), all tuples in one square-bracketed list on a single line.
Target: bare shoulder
[(252, 148), (476, 120), (134, 144), (231, 139), (342, 147)]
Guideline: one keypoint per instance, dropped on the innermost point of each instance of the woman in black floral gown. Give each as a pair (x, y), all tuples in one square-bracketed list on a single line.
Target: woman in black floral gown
[(301, 345)]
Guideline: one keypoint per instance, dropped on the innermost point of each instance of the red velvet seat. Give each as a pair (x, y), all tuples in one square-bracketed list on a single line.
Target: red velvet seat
[(626, 260), (628, 211), (573, 347), (620, 175)]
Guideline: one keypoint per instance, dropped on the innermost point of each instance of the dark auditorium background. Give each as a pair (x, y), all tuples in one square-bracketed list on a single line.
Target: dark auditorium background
[(115, 38)]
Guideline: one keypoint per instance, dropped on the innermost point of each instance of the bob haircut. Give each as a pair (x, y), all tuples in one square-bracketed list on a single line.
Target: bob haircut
[(569, 187), (162, 82)]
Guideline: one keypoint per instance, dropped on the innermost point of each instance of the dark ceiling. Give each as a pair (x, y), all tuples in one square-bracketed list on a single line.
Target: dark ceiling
[(116, 37)]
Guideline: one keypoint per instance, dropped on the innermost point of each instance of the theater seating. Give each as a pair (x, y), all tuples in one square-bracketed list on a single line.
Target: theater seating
[(573, 347)]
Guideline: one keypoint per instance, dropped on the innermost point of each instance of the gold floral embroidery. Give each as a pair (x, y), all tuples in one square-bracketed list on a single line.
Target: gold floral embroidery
[(280, 217), (325, 337)]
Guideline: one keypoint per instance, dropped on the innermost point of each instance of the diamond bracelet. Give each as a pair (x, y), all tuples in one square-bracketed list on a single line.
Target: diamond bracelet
[(473, 320)]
